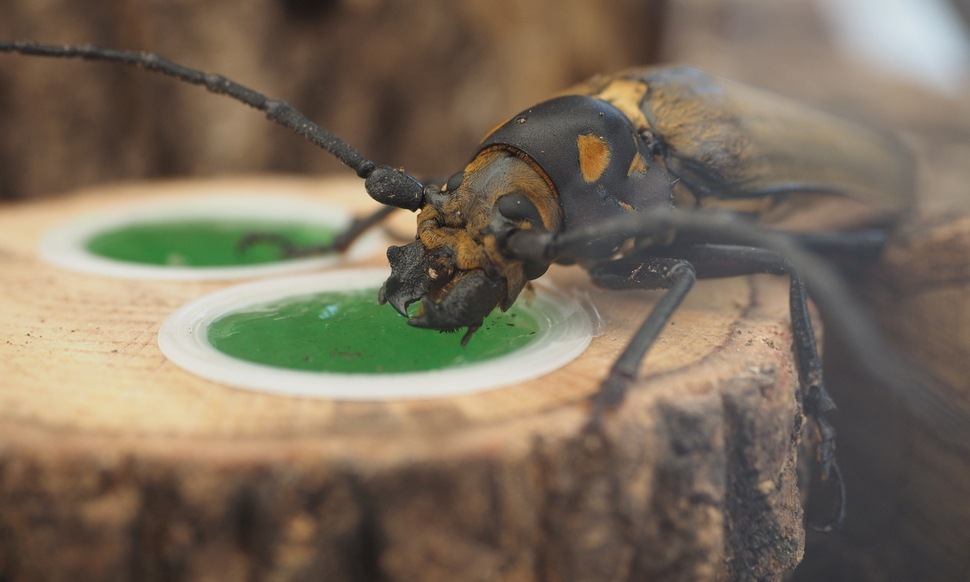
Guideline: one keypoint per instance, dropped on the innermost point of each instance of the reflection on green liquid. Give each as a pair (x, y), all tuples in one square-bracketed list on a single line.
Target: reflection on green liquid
[(348, 332), (201, 242)]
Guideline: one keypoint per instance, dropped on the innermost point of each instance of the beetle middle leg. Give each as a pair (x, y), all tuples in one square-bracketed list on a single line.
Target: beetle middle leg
[(674, 267)]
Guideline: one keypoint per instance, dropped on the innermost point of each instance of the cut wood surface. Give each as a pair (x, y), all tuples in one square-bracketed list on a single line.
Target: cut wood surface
[(116, 464)]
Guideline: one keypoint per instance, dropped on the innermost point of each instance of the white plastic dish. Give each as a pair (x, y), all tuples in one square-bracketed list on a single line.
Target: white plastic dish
[(565, 332), (66, 245)]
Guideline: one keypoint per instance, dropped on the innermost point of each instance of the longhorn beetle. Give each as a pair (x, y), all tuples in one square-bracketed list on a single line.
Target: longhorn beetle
[(649, 179)]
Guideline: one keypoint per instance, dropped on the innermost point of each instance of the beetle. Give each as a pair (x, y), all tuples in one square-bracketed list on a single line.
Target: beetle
[(648, 179)]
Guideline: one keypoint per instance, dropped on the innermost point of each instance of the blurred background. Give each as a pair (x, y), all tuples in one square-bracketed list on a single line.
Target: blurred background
[(418, 84), (409, 84)]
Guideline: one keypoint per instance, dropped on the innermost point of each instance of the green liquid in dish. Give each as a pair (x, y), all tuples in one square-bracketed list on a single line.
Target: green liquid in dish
[(349, 333), (202, 242)]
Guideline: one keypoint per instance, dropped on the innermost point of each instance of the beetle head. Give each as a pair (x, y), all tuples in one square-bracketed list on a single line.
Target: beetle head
[(456, 267)]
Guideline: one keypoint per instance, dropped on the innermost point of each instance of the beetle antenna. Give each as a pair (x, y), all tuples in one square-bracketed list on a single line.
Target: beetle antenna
[(386, 185)]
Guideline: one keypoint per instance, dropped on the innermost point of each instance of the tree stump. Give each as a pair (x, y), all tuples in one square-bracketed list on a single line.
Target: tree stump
[(115, 464)]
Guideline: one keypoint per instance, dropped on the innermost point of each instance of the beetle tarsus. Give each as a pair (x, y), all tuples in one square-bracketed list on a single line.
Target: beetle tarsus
[(817, 402), (839, 518)]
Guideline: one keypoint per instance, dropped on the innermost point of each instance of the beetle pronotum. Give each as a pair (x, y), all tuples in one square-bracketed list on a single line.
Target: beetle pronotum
[(649, 179)]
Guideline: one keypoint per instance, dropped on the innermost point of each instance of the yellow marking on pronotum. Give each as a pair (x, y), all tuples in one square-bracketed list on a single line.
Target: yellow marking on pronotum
[(594, 156), (637, 166)]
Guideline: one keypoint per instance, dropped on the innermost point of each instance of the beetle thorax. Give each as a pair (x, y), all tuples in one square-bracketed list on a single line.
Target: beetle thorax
[(465, 217)]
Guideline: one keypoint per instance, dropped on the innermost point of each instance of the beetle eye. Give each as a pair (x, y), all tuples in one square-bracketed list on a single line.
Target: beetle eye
[(454, 181), (517, 207)]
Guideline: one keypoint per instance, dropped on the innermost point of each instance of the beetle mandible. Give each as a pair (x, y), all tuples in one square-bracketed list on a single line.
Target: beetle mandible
[(649, 179)]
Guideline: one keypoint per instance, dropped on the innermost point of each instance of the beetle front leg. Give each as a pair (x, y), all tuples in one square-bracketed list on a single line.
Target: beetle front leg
[(677, 277), (340, 243)]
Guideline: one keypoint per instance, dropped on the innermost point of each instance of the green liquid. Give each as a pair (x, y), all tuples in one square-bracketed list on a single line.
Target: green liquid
[(348, 332), (202, 242)]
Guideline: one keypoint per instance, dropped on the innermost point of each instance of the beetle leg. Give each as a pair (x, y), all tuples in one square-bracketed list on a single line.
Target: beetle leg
[(675, 275), (912, 387), (340, 243), (845, 249), (816, 401), (715, 261)]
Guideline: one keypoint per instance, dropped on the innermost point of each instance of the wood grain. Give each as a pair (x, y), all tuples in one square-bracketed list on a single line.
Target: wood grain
[(114, 461)]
